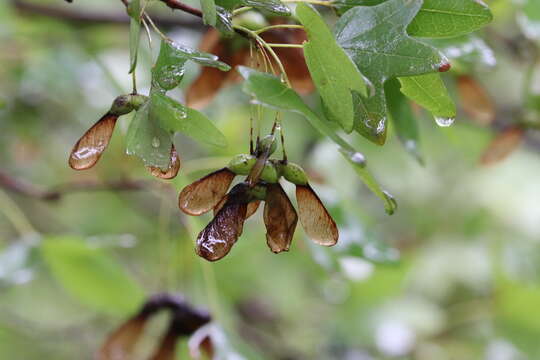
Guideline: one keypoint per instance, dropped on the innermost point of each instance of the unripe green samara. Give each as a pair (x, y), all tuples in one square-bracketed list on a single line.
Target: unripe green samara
[(242, 164), (267, 143), (270, 173), (293, 173)]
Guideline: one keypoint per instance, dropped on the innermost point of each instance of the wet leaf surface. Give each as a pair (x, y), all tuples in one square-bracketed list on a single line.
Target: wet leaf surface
[(315, 219), (172, 171), (93, 143), (280, 219), (375, 38), (333, 72), (204, 194)]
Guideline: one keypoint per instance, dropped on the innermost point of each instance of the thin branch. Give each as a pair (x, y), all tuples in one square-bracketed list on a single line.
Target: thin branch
[(69, 14), (25, 188)]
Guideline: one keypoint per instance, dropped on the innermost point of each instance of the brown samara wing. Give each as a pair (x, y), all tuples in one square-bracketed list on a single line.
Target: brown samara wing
[(91, 145), (280, 219), (315, 219), (120, 344), (475, 100), (503, 145), (251, 208), (172, 171), (218, 237), (167, 346), (210, 79), (204, 194)]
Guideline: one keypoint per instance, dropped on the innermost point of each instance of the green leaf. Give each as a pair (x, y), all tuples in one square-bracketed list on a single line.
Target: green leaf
[(332, 71), (224, 21), (375, 38), (91, 276), (270, 91), (134, 10), (402, 117), (175, 117), (168, 71), (437, 18), (148, 140), (272, 6), (445, 18), (429, 91), (209, 12)]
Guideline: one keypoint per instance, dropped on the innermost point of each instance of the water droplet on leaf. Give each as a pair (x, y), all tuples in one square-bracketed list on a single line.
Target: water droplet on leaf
[(444, 121), (155, 142)]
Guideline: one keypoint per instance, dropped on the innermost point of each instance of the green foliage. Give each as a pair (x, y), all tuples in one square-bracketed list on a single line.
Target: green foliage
[(429, 91), (91, 276), (134, 11), (376, 39), (332, 71), (209, 12), (270, 91)]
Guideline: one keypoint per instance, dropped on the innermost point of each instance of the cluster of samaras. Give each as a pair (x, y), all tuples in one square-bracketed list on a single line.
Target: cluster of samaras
[(231, 208)]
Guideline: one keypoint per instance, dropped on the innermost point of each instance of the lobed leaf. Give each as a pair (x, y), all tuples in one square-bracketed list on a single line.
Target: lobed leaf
[(172, 170), (375, 38), (332, 71)]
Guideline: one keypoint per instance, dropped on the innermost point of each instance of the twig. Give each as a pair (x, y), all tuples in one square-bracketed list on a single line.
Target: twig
[(93, 17), (25, 188)]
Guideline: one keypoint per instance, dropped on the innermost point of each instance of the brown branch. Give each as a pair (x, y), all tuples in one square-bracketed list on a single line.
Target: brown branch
[(175, 4), (93, 17), (25, 188)]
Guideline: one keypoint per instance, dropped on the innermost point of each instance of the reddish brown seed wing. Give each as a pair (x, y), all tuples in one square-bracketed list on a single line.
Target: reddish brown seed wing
[(475, 101), (91, 145), (167, 347), (251, 208), (503, 145), (217, 239), (316, 221), (204, 194), (172, 171), (280, 219), (120, 344)]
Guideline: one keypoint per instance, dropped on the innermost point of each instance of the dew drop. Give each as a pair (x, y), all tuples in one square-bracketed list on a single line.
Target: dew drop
[(444, 121), (358, 158), (155, 142)]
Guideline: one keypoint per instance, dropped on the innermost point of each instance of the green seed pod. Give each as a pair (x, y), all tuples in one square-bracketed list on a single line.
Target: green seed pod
[(138, 100), (267, 142), (270, 173), (258, 192), (293, 173), (242, 164)]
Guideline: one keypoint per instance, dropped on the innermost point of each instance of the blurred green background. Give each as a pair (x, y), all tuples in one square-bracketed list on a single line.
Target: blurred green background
[(454, 274)]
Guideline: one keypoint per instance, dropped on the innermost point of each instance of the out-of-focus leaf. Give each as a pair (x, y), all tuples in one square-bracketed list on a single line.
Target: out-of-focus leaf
[(91, 276), (148, 140), (429, 91), (209, 12), (168, 71), (529, 19), (270, 91), (437, 18), (134, 10), (175, 117), (503, 145), (466, 53), (272, 6), (333, 72), (403, 119), (375, 38), (475, 100), (14, 264)]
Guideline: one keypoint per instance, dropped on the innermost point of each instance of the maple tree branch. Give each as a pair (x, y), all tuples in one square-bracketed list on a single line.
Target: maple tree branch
[(25, 188)]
